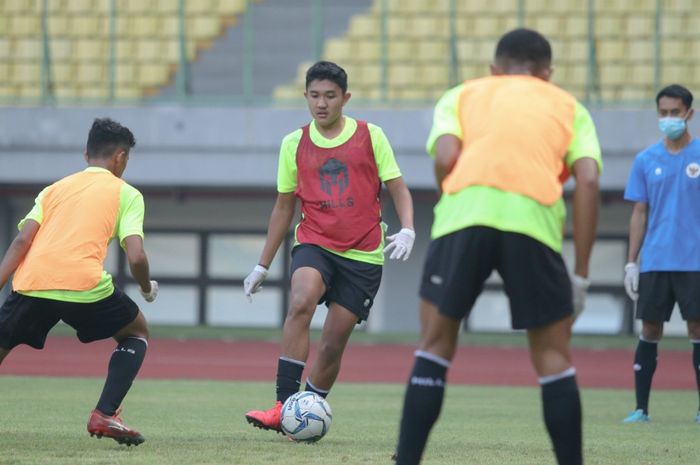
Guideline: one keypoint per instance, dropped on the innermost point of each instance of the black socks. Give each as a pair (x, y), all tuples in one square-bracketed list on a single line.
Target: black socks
[(561, 405), (288, 377), (123, 367), (422, 404), (696, 364), (644, 368)]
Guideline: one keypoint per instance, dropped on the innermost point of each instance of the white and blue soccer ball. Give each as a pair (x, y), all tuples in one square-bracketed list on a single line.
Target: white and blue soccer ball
[(306, 417)]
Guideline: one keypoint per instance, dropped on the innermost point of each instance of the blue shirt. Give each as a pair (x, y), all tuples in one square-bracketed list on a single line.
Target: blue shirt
[(670, 186)]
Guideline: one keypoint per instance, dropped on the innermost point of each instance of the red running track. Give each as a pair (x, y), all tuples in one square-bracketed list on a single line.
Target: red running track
[(390, 363)]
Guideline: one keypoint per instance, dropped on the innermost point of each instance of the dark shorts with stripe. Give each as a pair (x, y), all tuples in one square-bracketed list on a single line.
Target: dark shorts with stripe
[(660, 290), (350, 283), (27, 320), (534, 276)]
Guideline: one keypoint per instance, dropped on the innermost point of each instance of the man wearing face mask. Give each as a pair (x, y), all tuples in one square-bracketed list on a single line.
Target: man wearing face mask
[(664, 185)]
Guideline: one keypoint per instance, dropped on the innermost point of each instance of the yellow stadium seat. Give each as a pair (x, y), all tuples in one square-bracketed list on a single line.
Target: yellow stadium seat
[(91, 50), (396, 26), (144, 26), (203, 27), (125, 49), (367, 50), (368, 73), (28, 49), (675, 49), (611, 50), (576, 50), (63, 72), (641, 50), (364, 26), (338, 49), (94, 92), (433, 26), (432, 50), (6, 49), (88, 26), (487, 26), (58, 25), (25, 72), (434, 76), (20, 26), (291, 92), (137, 7), (547, 24), (90, 72), (61, 49), (674, 72), (172, 50), (125, 73), (198, 7), (167, 6), (403, 75), (639, 25), (231, 7), (151, 75), (635, 94), (672, 24), (149, 50), (133, 92), (400, 49), (614, 74), (576, 25), (29, 90), (641, 73), (609, 25), (15, 7), (78, 6), (170, 26)]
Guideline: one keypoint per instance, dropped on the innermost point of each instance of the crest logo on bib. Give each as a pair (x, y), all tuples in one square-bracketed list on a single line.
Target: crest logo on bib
[(692, 170)]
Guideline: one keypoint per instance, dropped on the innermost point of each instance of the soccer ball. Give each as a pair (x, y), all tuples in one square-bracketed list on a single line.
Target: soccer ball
[(306, 417)]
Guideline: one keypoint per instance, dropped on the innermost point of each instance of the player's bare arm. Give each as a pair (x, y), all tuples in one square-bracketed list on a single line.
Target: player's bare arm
[(447, 150), (403, 203), (585, 217), (280, 220), (17, 250), (138, 261), (638, 227)]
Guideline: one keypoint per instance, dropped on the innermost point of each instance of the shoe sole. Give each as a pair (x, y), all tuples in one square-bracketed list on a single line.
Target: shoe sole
[(258, 424), (135, 441)]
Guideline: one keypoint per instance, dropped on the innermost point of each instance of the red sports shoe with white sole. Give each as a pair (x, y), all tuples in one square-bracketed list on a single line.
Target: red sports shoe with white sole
[(266, 419), (102, 425)]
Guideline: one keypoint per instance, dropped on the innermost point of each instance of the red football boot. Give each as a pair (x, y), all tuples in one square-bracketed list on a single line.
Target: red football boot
[(266, 419), (113, 427)]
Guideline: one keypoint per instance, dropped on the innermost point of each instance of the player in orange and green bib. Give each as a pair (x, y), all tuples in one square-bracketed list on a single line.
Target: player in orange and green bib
[(57, 260), (335, 166), (503, 145)]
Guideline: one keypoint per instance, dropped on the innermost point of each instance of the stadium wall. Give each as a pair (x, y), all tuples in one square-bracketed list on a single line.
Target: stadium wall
[(206, 170)]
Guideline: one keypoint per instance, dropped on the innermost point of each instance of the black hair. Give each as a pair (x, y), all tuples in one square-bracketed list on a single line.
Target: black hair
[(106, 136), (676, 91), (327, 70), (524, 47)]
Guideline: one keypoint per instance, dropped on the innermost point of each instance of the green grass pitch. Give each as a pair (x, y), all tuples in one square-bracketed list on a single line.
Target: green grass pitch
[(42, 421)]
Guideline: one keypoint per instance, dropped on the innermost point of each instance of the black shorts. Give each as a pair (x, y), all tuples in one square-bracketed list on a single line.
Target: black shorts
[(27, 320), (660, 290), (534, 276), (349, 283)]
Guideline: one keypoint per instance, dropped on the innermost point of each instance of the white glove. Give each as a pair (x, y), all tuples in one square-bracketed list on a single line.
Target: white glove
[(579, 287), (150, 296), (253, 282), (632, 280), (400, 244)]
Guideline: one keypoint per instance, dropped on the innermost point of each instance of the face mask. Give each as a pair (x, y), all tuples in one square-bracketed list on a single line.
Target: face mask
[(672, 127)]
